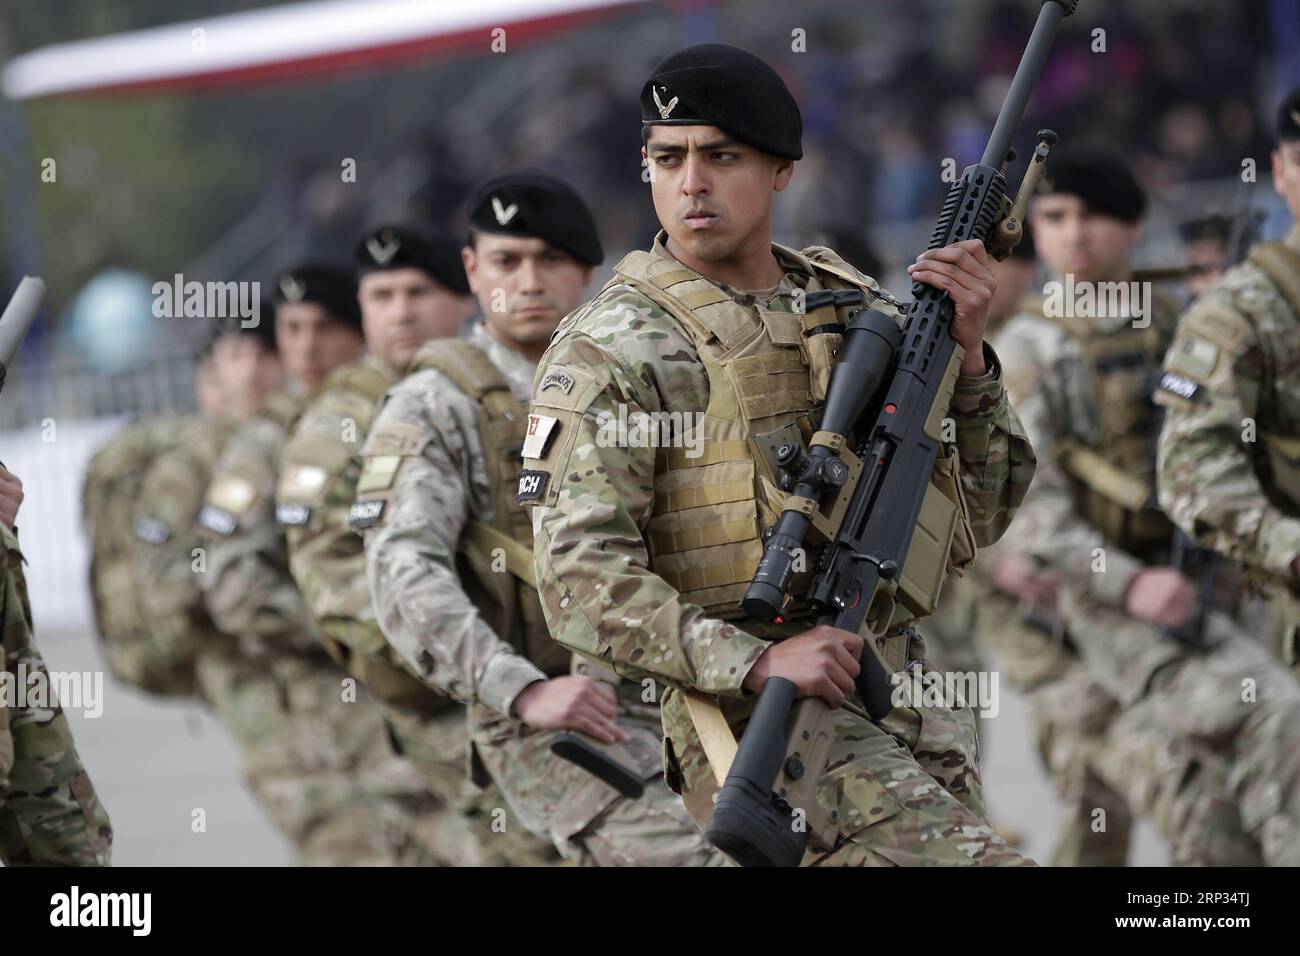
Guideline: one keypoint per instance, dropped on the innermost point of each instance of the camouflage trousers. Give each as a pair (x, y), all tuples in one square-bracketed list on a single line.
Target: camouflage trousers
[(1212, 753), (907, 787), (459, 828), (587, 820), (1070, 712), (318, 760)]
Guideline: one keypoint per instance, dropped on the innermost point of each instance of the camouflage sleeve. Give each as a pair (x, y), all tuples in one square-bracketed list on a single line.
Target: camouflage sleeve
[(247, 586), (317, 487), (1047, 528), (997, 461), (1211, 389), (164, 557), (598, 593), (424, 461), (49, 812)]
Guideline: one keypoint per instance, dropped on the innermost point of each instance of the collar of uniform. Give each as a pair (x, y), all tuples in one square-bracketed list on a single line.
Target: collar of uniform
[(795, 274), (1293, 240), (379, 365), (517, 368)]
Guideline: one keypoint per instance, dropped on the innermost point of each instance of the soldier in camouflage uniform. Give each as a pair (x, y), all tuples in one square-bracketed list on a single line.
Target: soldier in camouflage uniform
[(644, 551), (1230, 449), (412, 288), (316, 752), (450, 577), (49, 813), (237, 368), (1130, 718)]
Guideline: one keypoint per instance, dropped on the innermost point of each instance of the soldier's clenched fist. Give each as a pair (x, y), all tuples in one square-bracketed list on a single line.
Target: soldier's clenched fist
[(1161, 596), (821, 663), (571, 703)]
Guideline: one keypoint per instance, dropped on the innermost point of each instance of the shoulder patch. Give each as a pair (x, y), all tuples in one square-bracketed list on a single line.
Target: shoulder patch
[(302, 483), (1193, 356), (532, 485), (378, 473), (541, 429), (394, 438), (557, 378), (231, 493), (571, 389), (364, 514)]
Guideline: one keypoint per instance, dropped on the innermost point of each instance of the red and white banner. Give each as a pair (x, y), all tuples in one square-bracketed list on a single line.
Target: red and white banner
[(285, 41)]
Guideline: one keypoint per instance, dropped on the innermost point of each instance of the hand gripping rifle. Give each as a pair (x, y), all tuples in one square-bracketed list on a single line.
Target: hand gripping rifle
[(881, 528)]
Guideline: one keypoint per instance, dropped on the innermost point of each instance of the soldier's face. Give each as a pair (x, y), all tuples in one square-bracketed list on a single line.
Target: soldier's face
[(713, 195), (313, 343), (401, 309), (211, 397), (1286, 176), (246, 372), (1212, 256), (1074, 239), (524, 286)]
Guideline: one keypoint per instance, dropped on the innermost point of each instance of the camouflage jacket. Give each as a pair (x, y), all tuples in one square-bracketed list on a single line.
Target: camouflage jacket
[(593, 563), (49, 813), (247, 587), (411, 553), (318, 483), (1054, 390), (1233, 374), (171, 594)]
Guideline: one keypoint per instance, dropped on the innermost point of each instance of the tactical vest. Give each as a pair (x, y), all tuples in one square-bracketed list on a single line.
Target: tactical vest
[(767, 376), (1112, 475), (509, 602), (1281, 266), (108, 499), (357, 646)]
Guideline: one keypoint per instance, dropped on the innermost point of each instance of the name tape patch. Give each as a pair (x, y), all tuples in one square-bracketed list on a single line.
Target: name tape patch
[(151, 530), (292, 516), (1179, 385), (218, 519), (364, 514), (532, 485)]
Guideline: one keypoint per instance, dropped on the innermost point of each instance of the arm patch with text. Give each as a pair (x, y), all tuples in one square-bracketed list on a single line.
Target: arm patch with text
[(532, 485)]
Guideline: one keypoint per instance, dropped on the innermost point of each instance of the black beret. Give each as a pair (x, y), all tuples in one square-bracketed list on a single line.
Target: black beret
[(1288, 118), (327, 286), (533, 205), (713, 84), (263, 331), (1098, 177), (403, 247)]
